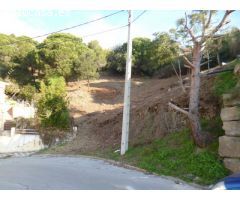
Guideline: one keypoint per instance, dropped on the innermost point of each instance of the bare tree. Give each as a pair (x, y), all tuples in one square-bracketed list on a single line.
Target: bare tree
[(179, 76), (198, 28)]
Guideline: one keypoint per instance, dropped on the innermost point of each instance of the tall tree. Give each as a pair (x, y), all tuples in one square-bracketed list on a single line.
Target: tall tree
[(197, 28), (162, 51), (100, 53), (141, 48), (13, 51), (58, 52), (85, 65)]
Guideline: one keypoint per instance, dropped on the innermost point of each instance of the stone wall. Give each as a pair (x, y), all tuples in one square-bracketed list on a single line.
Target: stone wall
[(229, 144)]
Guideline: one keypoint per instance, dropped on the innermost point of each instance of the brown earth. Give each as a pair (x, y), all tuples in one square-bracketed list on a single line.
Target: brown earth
[(97, 111)]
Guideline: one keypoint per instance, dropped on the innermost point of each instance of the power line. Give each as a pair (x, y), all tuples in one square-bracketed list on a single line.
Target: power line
[(116, 28), (64, 29), (135, 19), (82, 24), (108, 30)]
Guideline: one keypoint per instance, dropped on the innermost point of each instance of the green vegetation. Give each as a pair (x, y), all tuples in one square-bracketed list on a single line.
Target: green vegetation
[(176, 155), (224, 83), (32, 67), (28, 62), (213, 126), (27, 92), (148, 56), (52, 104), (86, 66), (40, 72)]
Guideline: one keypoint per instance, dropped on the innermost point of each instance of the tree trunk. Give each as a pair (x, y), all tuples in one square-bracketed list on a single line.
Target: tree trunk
[(208, 61), (194, 97), (218, 60), (88, 84)]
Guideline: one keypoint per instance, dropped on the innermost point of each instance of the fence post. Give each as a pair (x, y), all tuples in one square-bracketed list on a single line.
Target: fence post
[(13, 130)]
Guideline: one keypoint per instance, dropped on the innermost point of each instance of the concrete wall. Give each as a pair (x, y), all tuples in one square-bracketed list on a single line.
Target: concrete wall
[(20, 143)]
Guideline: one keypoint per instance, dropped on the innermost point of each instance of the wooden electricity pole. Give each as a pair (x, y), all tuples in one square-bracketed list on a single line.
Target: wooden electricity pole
[(127, 90)]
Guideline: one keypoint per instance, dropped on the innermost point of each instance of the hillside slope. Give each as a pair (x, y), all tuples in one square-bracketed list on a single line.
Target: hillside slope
[(98, 112)]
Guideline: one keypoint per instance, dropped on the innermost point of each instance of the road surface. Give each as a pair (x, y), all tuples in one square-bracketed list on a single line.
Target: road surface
[(59, 172)]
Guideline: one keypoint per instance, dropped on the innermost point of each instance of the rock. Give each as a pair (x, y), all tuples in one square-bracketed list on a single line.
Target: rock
[(237, 70), (230, 113), (229, 147), (189, 176), (196, 179), (229, 100), (233, 164), (232, 128)]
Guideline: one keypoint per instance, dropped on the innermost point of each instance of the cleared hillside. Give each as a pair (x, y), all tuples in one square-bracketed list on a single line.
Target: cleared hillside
[(97, 111)]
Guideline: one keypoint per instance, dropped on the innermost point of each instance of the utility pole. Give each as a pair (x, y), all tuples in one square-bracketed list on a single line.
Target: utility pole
[(127, 91)]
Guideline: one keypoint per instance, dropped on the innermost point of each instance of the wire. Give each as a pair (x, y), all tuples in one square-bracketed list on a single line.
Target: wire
[(108, 30), (85, 23), (113, 29), (139, 16), (64, 29)]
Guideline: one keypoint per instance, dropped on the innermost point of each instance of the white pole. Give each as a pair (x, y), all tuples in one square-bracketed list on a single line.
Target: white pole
[(127, 90), (13, 131)]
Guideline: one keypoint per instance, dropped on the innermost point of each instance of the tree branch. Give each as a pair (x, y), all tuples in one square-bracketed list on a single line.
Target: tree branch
[(209, 20), (203, 27), (178, 108), (189, 30), (175, 71), (187, 66), (205, 62), (188, 62), (221, 24)]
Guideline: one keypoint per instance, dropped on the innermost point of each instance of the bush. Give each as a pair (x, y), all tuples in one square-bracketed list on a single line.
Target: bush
[(26, 92), (12, 89), (52, 103)]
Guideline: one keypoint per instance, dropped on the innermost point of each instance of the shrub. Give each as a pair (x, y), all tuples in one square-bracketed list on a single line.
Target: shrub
[(12, 89), (26, 92), (52, 103), (224, 83)]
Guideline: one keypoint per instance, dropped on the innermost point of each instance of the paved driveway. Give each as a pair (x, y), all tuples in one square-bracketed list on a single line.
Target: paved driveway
[(57, 172)]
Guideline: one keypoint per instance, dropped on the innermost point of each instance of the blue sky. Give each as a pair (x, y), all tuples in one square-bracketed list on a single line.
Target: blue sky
[(37, 22)]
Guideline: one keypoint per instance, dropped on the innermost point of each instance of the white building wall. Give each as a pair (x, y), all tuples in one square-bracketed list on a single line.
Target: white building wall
[(2, 102), (22, 110)]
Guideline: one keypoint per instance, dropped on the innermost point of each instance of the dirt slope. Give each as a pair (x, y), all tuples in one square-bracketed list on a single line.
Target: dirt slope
[(98, 111)]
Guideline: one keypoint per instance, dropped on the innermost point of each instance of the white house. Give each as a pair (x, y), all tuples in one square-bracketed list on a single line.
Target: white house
[(2, 104), (10, 109)]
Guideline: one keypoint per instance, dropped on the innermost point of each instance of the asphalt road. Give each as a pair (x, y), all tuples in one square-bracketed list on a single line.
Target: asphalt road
[(57, 172)]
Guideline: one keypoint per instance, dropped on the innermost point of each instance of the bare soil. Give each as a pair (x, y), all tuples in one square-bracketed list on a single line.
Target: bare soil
[(97, 111)]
